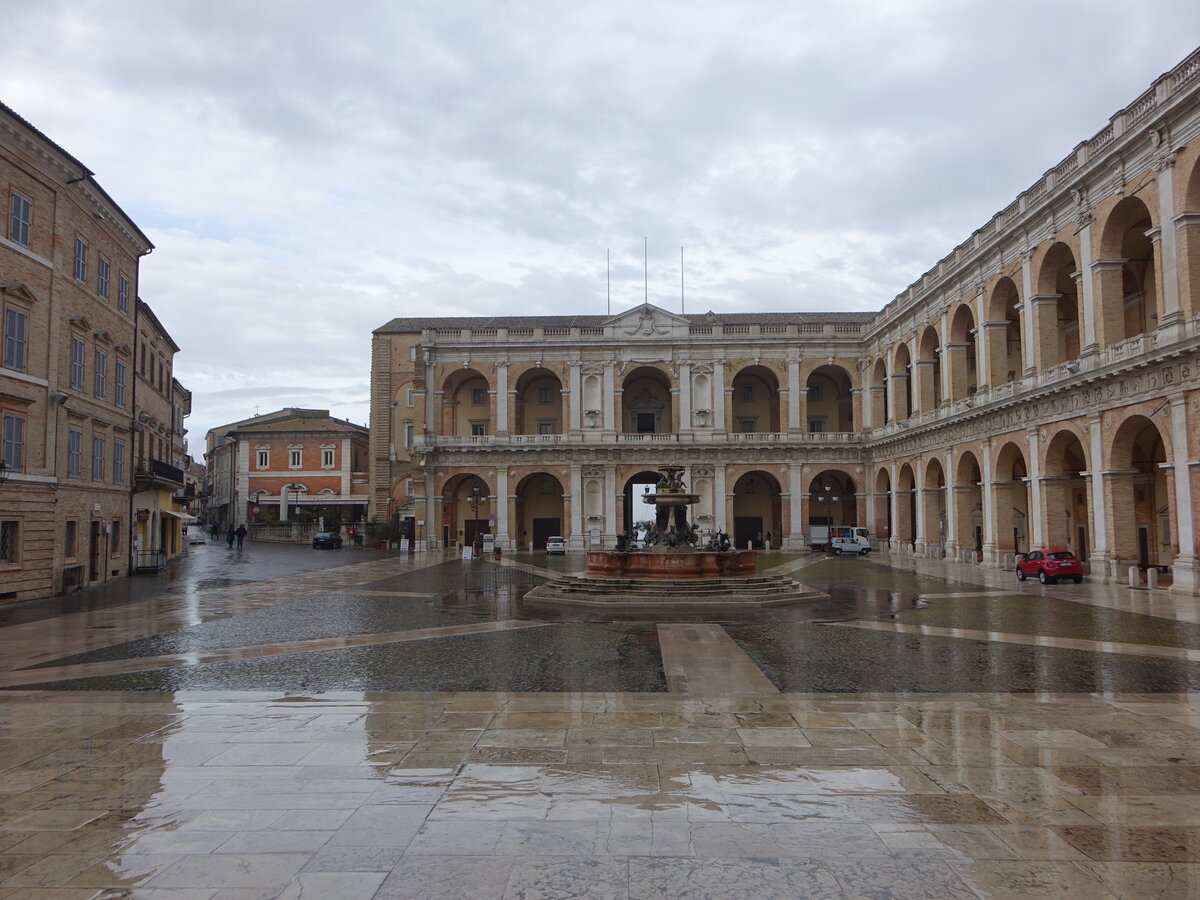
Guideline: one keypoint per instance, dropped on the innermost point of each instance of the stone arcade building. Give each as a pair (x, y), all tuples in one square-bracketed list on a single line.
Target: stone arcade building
[(1039, 386)]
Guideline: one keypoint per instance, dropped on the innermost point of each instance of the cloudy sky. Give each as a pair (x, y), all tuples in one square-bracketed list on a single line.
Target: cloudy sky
[(310, 170)]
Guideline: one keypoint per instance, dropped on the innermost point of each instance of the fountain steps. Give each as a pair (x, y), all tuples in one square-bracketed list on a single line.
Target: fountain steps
[(683, 594)]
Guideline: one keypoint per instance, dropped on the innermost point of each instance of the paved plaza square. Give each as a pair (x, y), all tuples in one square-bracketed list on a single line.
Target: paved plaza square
[(355, 724)]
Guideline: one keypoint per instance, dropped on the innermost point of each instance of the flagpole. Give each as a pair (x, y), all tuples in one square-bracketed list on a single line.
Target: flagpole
[(646, 263)]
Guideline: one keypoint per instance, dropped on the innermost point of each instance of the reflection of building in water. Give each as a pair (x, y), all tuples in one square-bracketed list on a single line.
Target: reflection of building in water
[(1039, 386)]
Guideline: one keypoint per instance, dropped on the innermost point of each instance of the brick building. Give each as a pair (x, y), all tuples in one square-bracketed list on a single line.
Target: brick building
[(1039, 386), (68, 284), (293, 465)]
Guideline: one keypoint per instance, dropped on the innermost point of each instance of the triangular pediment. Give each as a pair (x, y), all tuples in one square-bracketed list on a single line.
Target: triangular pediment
[(648, 321), (80, 321), (18, 291)]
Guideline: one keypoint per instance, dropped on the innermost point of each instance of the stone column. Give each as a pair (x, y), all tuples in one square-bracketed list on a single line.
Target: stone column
[(1026, 314), (894, 507), (1168, 247), (944, 335), (578, 538), (983, 365), (954, 370), (719, 398), (575, 397), (503, 507), (1184, 566), (1100, 537), (1037, 532), (1045, 330), (433, 517), (995, 351), (926, 392), (501, 398), (951, 536), (796, 539), (610, 393), (722, 505), (1086, 291), (898, 395), (989, 505), (685, 398), (612, 522), (1109, 305), (433, 401), (794, 421)]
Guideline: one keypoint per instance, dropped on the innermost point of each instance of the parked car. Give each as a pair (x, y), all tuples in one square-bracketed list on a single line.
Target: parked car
[(556, 544), (1049, 566), (842, 545), (196, 535), (326, 539)]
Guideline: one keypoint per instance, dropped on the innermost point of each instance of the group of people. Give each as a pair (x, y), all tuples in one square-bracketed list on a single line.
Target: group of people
[(234, 534)]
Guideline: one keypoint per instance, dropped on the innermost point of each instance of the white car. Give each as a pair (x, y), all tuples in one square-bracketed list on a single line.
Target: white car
[(846, 545), (556, 545)]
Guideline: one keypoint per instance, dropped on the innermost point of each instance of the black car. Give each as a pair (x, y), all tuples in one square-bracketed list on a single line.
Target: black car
[(325, 539)]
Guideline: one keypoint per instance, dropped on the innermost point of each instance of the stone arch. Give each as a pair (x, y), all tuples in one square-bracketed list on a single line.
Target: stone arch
[(968, 506), (540, 509), (1188, 237), (635, 511), (467, 502), (902, 400), (755, 402), (933, 507), (1138, 496), (1010, 493), (538, 406), (467, 403), (830, 400), (1004, 344), (882, 526), (1056, 313), (645, 402), (1066, 494), (832, 500), (963, 353), (1127, 286), (928, 390), (757, 508)]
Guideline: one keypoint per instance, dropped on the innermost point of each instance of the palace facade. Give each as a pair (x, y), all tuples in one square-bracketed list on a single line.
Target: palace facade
[(1038, 387)]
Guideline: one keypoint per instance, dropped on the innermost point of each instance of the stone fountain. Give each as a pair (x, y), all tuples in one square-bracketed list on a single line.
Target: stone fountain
[(673, 573)]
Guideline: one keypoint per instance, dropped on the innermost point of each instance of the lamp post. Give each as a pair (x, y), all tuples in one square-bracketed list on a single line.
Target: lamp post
[(473, 500), (257, 495), (4, 470)]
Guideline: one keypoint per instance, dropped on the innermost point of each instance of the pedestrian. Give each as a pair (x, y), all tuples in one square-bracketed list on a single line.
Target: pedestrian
[(758, 541), (214, 531), (241, 535), (229, 536), (768, 539)]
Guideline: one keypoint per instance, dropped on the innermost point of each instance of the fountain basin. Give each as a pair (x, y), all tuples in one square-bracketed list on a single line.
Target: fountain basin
[(667, 565)]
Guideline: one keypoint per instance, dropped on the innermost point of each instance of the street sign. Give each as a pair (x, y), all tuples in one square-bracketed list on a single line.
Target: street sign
[(492, 519)]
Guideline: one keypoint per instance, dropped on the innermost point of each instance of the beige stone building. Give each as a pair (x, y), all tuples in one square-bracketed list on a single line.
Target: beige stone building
[(1038, 387), (68, 284)]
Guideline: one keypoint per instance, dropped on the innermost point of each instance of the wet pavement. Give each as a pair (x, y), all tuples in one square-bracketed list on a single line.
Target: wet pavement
[(294, 723)]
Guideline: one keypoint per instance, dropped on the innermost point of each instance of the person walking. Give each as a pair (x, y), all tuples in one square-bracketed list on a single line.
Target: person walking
[(229, 536), (241, 535), (214, 531)]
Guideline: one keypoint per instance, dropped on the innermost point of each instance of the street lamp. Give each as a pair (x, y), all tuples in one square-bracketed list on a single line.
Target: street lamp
[(473, 500), (4, 470)]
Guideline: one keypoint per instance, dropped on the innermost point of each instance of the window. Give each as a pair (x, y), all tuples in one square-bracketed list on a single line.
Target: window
[(263, 459), (644, 422), (408, 435), (115, 542), (478, 429), (102, 278), (10, 541), (122, 293), (543, 395), (817, 425), (814, 393), (16, 328), (19, 220), (478, 396), (97, 458), (14, 442), (118, 462), (408, 487), (72, 539), (80, 260), (294, 458), (546, 427), (100, 377), (746, 426), (747, 393), (327, 459), (409, 397), (119, 388), (77, 364), (74, 450)]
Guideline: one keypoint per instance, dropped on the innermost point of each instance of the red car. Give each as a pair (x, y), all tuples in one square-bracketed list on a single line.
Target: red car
[(1049, 566)]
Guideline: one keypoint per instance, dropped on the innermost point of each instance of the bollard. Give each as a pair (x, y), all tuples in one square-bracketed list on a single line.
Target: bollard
[(1135, 579), (1152, 578)]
